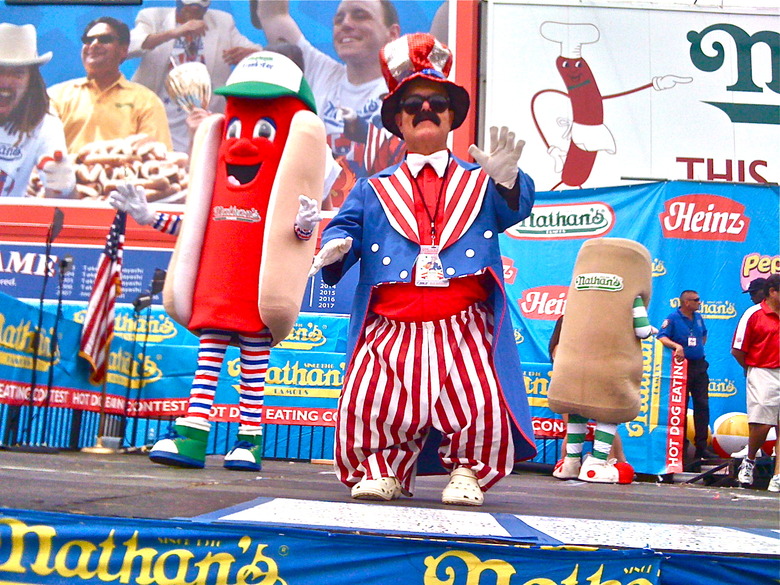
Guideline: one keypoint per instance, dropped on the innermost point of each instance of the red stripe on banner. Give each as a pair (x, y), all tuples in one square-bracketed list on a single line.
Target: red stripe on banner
[(675, 442)]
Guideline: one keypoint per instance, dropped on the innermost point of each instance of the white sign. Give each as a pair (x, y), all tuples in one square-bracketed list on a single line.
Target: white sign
[(604, 94)]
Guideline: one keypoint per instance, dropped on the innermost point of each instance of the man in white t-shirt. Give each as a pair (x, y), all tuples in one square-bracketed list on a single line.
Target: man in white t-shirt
[(29, 134), (349, 94)]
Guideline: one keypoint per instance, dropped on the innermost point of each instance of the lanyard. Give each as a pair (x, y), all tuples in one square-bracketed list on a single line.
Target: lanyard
[(432, 217)]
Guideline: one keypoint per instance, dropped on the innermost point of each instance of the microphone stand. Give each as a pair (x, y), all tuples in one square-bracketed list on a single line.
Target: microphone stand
[(138, 305), (144, 301), (54, 229), (65, 265)]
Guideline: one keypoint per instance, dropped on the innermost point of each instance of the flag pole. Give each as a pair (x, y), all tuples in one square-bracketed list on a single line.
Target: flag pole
[(100, 448), (98, 329)]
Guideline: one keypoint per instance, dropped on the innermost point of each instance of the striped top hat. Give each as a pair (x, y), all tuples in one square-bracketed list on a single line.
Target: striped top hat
[(418, 56)]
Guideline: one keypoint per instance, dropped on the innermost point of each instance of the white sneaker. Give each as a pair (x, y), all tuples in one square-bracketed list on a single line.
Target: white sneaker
[(774, 484), (384, 488), (463, 489), (567, 468), (745, 475)]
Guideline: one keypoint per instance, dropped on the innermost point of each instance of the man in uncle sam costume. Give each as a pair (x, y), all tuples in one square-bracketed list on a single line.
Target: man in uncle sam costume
[(597, 371), (433, 363), (239, 269)]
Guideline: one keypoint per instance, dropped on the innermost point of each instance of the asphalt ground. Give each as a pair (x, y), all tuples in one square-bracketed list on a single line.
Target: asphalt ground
[(129, 485)]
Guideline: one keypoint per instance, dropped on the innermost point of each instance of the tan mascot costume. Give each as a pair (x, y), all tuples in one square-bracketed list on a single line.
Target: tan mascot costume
[(597, 370), (239, 270)]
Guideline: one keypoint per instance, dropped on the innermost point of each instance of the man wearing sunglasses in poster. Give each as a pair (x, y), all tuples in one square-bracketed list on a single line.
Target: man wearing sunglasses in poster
[(433, 363), (104, 105)]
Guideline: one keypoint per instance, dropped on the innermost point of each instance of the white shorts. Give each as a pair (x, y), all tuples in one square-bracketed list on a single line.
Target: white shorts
[(763, 395)]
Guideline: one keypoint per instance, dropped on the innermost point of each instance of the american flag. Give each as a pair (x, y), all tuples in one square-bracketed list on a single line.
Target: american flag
[(99, 322)]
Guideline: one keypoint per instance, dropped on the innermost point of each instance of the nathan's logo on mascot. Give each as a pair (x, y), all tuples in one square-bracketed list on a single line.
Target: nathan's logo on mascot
[(544, 302), (308, 336), (234, 213), (598, 281), (10, 152), (565, 221), (704, 217), (712, 309)]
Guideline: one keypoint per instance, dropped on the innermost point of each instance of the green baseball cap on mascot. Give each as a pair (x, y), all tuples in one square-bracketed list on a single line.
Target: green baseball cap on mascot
[(267, 75)]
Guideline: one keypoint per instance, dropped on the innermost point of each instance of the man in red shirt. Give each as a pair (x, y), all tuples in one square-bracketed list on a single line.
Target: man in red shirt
[(756, 346)]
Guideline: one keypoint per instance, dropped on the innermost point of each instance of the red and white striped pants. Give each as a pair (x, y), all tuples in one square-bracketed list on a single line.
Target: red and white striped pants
[(407, 377)]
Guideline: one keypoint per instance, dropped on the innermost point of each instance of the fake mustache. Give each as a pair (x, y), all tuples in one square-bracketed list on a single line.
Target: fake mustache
[(428, 115)]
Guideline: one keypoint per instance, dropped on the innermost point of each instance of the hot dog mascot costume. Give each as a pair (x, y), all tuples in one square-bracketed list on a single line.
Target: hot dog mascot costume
[(597, 370), (239, 269), (434, 382)]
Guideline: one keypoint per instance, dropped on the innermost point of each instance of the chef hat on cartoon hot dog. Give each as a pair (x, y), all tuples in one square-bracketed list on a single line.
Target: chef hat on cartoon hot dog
[(418, 56), (571, 36), (266, 75)]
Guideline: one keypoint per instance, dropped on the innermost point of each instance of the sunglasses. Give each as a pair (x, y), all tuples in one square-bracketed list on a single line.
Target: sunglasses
[(414, 103), (101, 39)]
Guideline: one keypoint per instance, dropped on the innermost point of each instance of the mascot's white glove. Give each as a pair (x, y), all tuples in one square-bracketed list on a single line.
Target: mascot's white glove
[(308, 214), (501, 163), (669, 81), (132, 199), (559, 157), (331, 252)]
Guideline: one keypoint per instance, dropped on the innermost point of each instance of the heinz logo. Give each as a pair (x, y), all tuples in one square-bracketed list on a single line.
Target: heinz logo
[(704, 217), (544, 302), (565, 221)]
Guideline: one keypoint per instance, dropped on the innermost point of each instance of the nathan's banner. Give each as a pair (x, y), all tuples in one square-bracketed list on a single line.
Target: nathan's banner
[(46, 548), (710, 237)]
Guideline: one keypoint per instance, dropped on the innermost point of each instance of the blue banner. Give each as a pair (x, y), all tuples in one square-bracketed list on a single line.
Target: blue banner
[(48, 548)]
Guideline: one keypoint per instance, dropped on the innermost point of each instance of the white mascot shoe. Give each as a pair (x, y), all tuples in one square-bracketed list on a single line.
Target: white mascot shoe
[(463, 489), (567, 468), (598, 471), (384, 488)]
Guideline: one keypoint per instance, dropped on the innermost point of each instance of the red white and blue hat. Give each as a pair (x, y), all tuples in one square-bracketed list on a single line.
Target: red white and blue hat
[(418, 56)]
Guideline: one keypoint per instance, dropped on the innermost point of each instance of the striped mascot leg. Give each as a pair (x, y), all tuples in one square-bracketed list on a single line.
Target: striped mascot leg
[(247, 453), (185, 444)]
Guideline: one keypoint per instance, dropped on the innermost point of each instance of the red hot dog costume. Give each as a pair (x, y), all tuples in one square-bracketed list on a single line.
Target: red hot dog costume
[(249, 168)]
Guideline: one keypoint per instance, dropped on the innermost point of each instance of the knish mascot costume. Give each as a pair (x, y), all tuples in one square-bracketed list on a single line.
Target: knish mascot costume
[(239, 269), (597, 370)]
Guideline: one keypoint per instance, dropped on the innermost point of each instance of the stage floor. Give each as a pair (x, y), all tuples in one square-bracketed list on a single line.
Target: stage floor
[(686, 517)]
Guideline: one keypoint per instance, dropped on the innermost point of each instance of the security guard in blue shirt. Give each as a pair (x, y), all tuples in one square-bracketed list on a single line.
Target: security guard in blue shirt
[(685, 333)]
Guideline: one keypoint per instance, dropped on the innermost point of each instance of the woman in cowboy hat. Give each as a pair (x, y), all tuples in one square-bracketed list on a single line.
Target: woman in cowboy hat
[(28, 132)]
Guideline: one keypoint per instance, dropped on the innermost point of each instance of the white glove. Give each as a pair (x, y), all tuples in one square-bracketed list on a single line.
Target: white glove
[(308, 214), (57, 175), (331, 252), (669, 81), (501, 163), (132, 199)]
